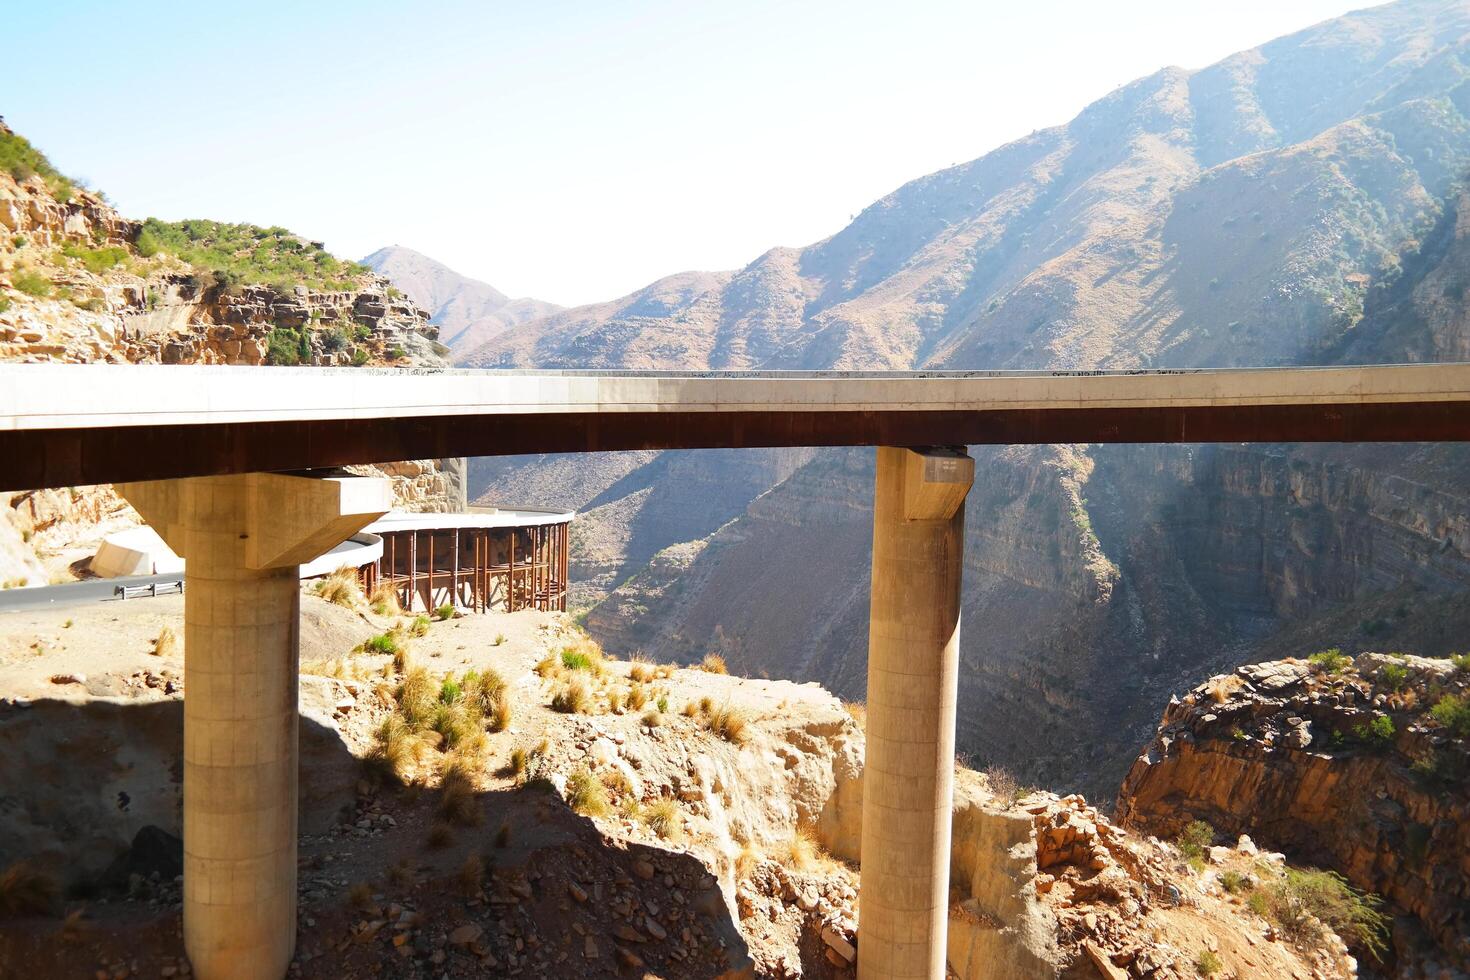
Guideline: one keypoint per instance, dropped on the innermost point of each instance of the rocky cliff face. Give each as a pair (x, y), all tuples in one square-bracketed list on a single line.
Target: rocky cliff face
[(1343, 764)]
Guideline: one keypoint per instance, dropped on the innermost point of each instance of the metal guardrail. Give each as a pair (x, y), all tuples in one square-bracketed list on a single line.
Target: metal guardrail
[(151, 589)]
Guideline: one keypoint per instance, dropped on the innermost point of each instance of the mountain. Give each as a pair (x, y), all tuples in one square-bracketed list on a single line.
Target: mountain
[(466, 311), (1298, 203)]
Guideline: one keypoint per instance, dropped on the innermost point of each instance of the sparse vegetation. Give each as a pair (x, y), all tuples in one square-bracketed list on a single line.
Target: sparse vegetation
[(444, 612), (800, 851), (31, 283), (383, 643), (1194, 839), (23, 161), (1453, 712), (1378, 732), (1331, 661), (726, 721), (96, 260), (342, 588), (244, 253), (419, 626), (167, 643), (1395, 676), (1306, 899), (713, 663), (572, 698), (457, 804), (1208, 963), (587, 794), (1461, 662), (665, 819)]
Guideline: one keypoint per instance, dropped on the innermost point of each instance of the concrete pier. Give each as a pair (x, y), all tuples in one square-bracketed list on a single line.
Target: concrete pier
[(243, 537), (913, 669)]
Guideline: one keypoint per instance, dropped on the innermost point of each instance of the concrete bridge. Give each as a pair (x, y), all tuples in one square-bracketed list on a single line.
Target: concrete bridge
[(219, 461)]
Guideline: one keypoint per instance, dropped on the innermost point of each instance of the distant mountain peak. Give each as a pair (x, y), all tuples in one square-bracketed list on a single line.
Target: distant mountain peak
[(467, 311)]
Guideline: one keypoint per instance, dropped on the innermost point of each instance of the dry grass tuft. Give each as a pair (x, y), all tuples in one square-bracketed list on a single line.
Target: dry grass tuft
[(360, 896), (417, 697), (24, 890), (440, 835), (640, 668), (167, 643), (397, 748), (636, 698), (419, 626), (341, 588), (400, 874), (471, 876), (572, 698), (689, 710), (587, 794), (858, 712), (384, 601), (726, 721), (652, 718), (457, 803), (801, 852), (746, 860), (665, 819), (713, 663)]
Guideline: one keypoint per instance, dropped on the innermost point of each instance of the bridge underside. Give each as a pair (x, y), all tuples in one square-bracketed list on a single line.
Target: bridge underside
[(40, 458)]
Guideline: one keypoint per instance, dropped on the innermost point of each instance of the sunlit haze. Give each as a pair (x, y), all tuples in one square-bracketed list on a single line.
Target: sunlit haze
[(572, 152)]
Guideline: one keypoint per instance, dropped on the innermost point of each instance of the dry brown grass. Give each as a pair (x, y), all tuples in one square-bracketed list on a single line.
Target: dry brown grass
[(360, 896), (640, 668), (746, 860), (572, 698), (713, 663), (587, 794), (384, 601), (417, 697), (636, 698), (726, 721), (167, 643), (341, 588), (652, 719), (471, 876), (25, 890), (800, 851), (457, 794), (1220, 688), (440, 835), (397, 749), (689, 710), (858, 712), (665, 819)]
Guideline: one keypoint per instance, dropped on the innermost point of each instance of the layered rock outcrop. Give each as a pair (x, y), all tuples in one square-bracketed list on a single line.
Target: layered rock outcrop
[(1345, 765)]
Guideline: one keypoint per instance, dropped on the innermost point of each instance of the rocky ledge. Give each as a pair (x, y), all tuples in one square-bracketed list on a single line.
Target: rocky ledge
[(1357, 765)]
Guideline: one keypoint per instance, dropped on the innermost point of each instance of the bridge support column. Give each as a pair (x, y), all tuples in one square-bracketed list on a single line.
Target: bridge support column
[(242, 538), (913, 666)]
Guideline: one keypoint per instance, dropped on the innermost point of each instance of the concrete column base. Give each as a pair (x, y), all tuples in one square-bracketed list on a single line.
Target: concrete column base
[(913, 669), (243, 538)]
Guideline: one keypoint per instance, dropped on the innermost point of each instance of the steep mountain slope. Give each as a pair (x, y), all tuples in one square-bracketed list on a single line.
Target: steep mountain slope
[(466, 311), (1297, 203)]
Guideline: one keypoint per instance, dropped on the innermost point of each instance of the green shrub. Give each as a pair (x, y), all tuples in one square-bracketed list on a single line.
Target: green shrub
[(1395, 676), (1307, 894), (1378, 732), (334, 339), (1453, 712), (1332, 661), (32, 283), (359, 357), (1461, 662), (1208, 963), (22, 161), (450, 691), (4, 303), (96, 260), (1232, 881), (19, 241), (444, 612), (282, 348), (249, 253), (419, 626), (587, 794), (382, 643), (1193, 840), (575, 660)]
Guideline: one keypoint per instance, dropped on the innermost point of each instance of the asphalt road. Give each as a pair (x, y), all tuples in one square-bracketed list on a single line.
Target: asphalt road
[(82, 593)]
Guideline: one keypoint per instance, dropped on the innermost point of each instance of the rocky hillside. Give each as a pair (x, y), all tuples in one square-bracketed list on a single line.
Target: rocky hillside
[(497, 797), (467, 312), (1302, 202), (81, 283), (1358, 764)]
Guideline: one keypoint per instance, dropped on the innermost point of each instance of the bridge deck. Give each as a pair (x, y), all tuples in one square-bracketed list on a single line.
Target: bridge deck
[(64, 425)]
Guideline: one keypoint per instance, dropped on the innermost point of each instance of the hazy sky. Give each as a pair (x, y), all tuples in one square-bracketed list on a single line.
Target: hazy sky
[(571, 151)]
